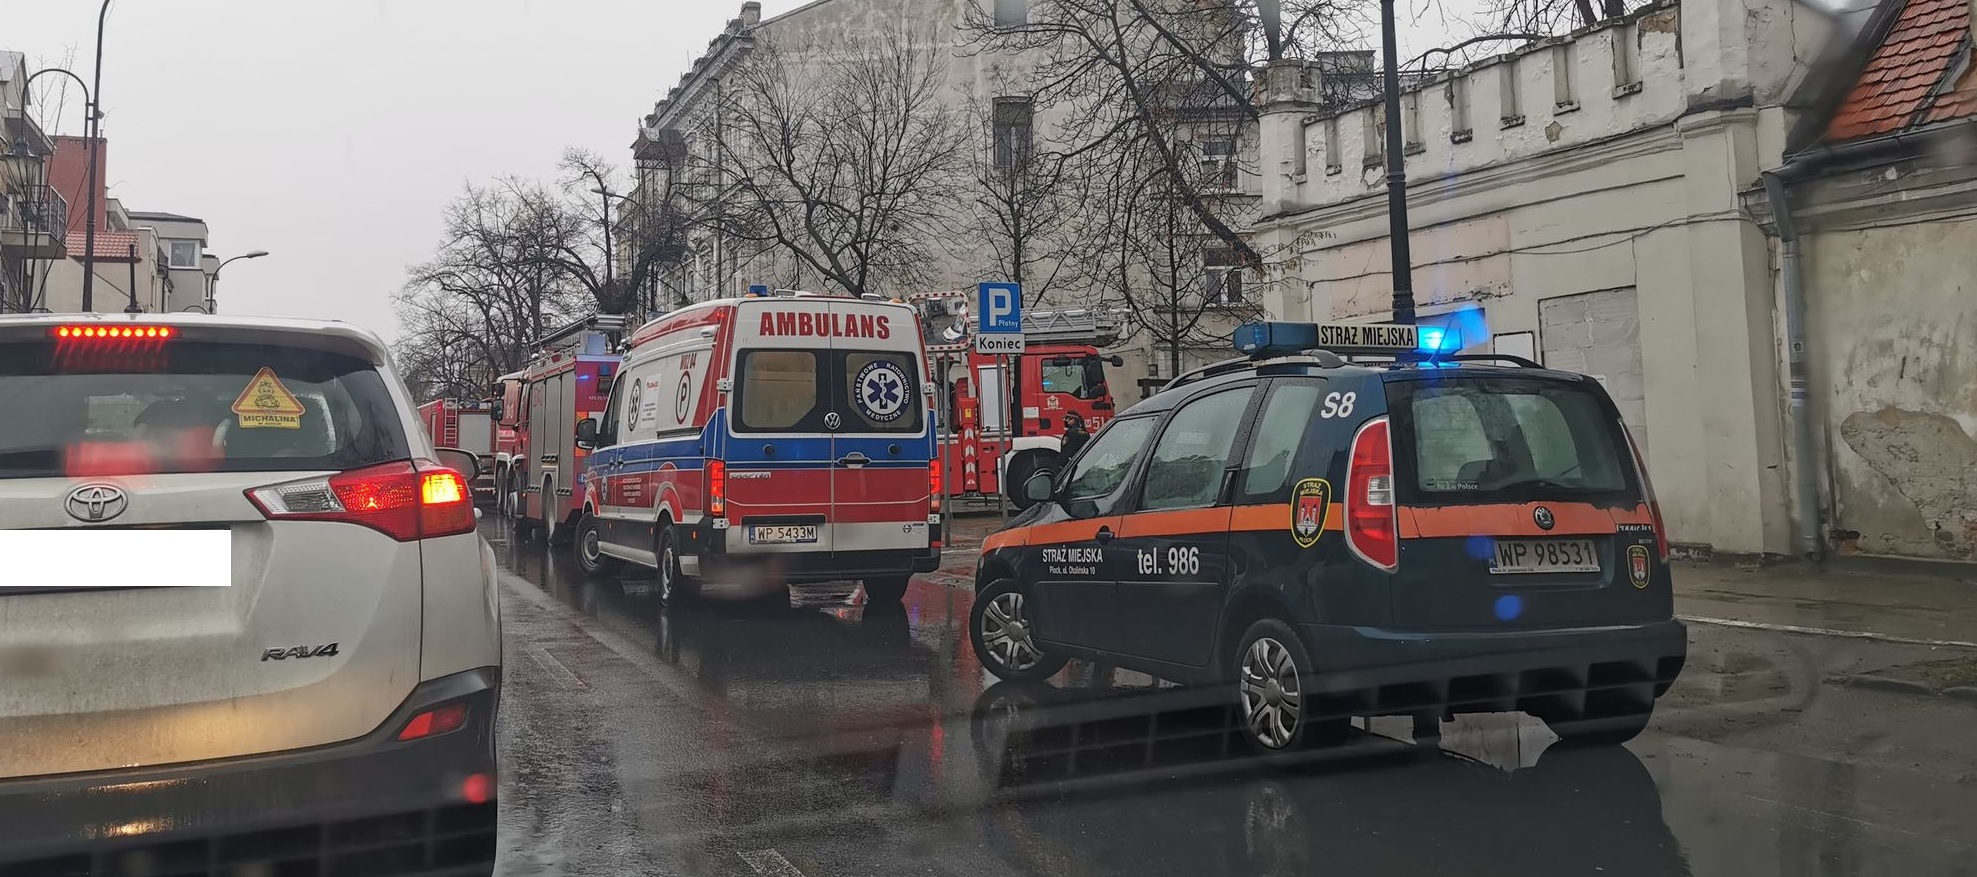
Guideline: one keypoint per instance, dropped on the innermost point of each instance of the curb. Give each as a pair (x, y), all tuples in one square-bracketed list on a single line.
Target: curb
[(1877, 682)]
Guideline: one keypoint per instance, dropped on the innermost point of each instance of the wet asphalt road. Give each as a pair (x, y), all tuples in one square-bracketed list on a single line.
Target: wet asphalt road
[(820, 740)]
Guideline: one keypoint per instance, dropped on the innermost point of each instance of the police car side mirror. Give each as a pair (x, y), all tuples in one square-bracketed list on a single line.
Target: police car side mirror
[(461, 461), (1039, 488), (587, 433)]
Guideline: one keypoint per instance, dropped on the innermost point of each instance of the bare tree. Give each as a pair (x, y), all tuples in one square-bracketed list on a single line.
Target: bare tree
[(1030, 202), (613, 271), (844, 165), (1553, 16)]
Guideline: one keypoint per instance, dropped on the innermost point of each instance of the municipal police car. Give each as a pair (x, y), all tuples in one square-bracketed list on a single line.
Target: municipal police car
[(1411, 533)]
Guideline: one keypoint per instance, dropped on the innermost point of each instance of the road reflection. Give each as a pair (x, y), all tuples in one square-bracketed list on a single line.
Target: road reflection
[(815, 714), (1118, 778)]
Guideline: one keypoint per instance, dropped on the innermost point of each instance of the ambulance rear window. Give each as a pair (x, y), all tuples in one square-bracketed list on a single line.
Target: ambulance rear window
[(1507, 439), (778, 389)]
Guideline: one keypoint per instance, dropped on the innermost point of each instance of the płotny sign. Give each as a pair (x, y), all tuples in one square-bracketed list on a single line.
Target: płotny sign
[(999, 345)]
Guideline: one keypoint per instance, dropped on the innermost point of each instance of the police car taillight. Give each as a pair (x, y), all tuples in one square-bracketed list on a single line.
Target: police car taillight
[(404, 501), (1647, 487), (1371, 527), (717, 488)]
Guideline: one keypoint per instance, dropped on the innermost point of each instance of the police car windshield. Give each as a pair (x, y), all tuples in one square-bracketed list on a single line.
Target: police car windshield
[(1491, 439), (190, 407)]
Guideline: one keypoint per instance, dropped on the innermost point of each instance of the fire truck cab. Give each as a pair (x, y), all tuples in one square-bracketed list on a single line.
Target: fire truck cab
[(1060, 376), (791, 434), (563, 386), (505, 402), (452, 423)]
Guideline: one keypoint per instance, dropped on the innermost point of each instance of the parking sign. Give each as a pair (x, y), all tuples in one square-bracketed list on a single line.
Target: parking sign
[(999, 318)]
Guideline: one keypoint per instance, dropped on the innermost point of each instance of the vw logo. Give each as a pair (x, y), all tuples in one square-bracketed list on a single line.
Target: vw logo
[(832, 421), (96, 503), (1543, 518)]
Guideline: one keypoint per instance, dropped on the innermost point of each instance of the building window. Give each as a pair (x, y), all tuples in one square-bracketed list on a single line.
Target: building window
[(1012, 13), (1222, 278), (184, 254), (1014, 131), (1218, 160)]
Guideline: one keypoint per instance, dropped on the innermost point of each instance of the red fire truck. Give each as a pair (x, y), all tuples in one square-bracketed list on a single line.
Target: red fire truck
[(506, 402), (1062, 372), (566, 383), (451, 423)]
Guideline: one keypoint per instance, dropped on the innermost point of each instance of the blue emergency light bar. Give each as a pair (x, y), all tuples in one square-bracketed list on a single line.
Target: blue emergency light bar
[(1270, 339)]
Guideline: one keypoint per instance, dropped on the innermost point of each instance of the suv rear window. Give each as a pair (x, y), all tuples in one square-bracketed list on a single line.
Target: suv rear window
[(1507, 439), (80, 412)]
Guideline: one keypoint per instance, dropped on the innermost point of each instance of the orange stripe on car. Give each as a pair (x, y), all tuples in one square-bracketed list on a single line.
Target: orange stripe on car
[(1515, 519)]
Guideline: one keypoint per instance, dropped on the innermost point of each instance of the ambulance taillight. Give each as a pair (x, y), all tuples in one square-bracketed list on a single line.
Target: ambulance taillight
[(717, 488), (933, 486)]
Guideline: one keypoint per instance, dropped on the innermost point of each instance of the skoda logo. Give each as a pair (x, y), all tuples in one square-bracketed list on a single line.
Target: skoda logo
[(1543, 518), (96, 503)]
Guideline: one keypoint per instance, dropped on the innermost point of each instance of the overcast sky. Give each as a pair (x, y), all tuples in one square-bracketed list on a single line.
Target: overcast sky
[(332, 134)]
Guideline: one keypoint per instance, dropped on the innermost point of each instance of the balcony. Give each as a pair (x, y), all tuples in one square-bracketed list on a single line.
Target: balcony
[(33, 223)]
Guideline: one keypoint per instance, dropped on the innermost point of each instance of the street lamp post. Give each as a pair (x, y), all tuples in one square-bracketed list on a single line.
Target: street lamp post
[(21, 151), (1397, 242), (213, 279), (93, 132)]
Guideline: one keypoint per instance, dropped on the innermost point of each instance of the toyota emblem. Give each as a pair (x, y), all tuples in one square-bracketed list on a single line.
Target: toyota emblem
[(1544, 518), (96, 503)]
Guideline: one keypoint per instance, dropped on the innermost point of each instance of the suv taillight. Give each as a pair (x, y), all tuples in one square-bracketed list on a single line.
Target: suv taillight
[(402, 500), (1647, 487), (1371, 528)]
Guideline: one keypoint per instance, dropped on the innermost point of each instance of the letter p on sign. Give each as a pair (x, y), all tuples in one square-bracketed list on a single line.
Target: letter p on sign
[(1000, 309)]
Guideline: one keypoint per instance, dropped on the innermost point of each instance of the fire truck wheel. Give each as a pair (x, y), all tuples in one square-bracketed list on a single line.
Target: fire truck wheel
[(590, 554), (885, 592), (1025, 465), (554, 532), (675, 589)]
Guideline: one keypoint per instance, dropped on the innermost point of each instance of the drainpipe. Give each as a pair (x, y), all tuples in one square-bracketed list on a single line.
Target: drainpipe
[(1805, 473)]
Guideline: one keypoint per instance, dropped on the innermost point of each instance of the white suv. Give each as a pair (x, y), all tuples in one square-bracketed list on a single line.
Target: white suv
[(246, 623)]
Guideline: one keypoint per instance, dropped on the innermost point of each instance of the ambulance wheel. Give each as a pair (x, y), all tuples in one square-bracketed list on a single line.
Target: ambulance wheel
[(1001, 628), (674, 588), (885, 592), (590, 550), (1020, 471), (1274, 699)]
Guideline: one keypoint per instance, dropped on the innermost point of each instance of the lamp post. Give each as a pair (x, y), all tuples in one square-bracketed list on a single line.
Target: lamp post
[(1397, 242), (22, 156), (93, 132), (213, 279)]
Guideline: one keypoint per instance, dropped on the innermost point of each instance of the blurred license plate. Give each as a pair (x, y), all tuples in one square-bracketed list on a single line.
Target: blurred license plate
[(116, 558), (782, 534), (1544, 555)]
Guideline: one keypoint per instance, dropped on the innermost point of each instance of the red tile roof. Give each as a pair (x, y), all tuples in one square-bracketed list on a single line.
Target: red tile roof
[(110, 245), (1903, 83)]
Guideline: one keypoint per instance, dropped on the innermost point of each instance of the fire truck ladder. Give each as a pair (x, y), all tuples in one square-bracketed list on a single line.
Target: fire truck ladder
[(1098, 327), (595, 334)]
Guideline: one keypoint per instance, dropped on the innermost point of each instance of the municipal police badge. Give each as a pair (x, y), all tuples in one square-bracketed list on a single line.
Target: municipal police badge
[(1310, 502)]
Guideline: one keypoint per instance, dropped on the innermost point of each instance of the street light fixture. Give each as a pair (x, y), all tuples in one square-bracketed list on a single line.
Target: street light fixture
[(213, 279), (93, 132)]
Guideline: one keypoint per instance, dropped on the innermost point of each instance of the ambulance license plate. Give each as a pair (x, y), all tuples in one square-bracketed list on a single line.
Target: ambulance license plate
[(783, 534), (1544, 555)]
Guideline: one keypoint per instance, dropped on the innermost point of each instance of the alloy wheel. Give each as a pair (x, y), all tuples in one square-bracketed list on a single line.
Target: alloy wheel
[(1006, 631)]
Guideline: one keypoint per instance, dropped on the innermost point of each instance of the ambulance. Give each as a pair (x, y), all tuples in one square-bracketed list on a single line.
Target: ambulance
[(789, 434)]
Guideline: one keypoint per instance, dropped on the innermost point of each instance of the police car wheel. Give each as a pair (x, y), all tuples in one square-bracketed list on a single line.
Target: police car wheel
[(674, 588), (1000, 627), (590, 551), (1273, 700), (1595, 731)]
